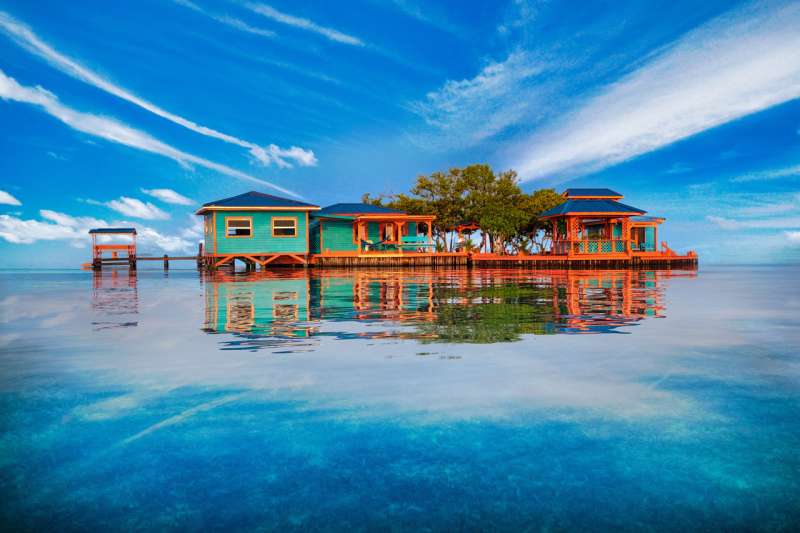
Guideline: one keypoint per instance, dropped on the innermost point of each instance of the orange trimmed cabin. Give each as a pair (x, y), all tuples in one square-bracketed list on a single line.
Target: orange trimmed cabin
[(592, 227), (256, 229)]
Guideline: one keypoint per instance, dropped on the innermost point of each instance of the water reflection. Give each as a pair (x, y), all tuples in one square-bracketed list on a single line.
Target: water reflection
[(454, 306), (115, 299), (688, 423)]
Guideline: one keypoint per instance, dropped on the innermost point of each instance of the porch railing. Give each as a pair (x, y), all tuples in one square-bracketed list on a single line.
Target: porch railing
[(594, 246), (604, 246)]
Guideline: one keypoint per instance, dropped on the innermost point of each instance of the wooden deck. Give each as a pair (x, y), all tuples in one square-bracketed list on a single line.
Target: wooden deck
[(419, 259), (380, 259), (588, 261)]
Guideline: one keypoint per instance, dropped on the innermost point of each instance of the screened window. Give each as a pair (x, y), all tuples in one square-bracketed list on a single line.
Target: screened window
[(284, 227), (239, 227)]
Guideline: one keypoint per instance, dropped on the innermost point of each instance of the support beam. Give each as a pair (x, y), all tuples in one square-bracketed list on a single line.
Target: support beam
[(223, 261), (269, 260)]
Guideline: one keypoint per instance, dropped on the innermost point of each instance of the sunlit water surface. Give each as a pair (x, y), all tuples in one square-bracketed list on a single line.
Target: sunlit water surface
[(405, 400)]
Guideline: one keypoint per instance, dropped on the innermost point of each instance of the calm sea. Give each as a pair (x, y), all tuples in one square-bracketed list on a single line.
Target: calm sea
[(440, 400)]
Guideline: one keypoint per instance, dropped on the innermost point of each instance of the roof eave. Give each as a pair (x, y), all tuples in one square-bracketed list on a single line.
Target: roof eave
[(596, 214), (207, 208)]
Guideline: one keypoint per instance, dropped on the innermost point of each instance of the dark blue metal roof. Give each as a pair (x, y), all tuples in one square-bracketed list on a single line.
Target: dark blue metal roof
[(357, 209), (591, 206), (257, 199), (591, 192), (113, 230)]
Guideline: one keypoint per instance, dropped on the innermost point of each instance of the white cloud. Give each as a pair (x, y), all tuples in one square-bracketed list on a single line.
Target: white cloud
[(227, 20), (304, 24), (756, 223), (7, 199), (169, 196), (31, 42), (56, 226), (60, 227), (133, 207), (740, 63), (168, 243), (471, 110), (793, 236), (773, 208), (112, 130), (194, 231)]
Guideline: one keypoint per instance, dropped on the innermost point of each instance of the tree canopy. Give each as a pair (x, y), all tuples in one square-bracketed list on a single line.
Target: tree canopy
[(508, 217)]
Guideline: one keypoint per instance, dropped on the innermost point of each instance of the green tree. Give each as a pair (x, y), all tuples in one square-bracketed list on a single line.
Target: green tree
[(509, 218), (535, 228)]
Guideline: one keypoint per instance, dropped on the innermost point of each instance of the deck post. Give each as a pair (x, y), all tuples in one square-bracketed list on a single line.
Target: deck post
[(166, 262), (626, 234)]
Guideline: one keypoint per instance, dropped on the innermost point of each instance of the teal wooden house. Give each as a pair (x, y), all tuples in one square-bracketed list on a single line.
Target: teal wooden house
[(256, 228)]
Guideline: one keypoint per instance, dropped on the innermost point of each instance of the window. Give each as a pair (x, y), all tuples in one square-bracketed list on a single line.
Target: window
[(286, 311), (285, 295), (240, 313), (238, 227), (284, 227)]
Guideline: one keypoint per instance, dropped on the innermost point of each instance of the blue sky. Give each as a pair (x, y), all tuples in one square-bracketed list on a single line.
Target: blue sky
[(136, 113)]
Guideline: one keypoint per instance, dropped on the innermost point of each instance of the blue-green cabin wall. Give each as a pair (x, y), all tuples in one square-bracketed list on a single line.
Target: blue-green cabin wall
[(262, 241)]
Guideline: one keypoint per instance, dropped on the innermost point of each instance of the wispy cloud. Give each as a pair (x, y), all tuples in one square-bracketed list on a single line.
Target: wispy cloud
[(755, 223), (767, 175), (133, 207), (7, 199), (740, 63), (437, 20), (114, 131), (233, 22), (792, 236), (31, 42), (169, 196), (303, 24), (57, 226), (769, 208), (465, 112)]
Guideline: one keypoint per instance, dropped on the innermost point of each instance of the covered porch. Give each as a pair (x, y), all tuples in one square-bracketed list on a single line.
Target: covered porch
[(390, 234), (592, 235), (396, 234)]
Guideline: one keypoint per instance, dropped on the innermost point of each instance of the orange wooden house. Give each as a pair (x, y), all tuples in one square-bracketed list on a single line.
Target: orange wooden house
[(593, 222)]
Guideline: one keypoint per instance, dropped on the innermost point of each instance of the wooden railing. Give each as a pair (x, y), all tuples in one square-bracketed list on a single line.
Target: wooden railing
[(590, 246), (601, 246)]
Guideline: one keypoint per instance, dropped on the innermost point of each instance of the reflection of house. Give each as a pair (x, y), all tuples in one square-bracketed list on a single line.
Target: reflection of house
[(373, 295), (256, 228), (258, 306), (596, 301), (115, 299), (473, 306)]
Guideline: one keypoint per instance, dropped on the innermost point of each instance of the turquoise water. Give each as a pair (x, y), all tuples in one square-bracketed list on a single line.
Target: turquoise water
[(401, 400)]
